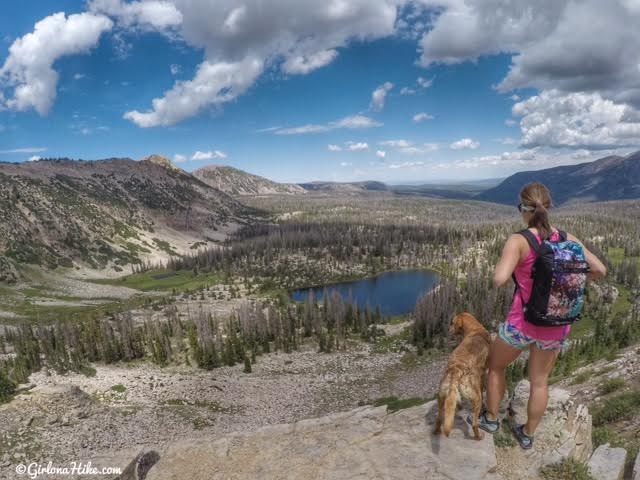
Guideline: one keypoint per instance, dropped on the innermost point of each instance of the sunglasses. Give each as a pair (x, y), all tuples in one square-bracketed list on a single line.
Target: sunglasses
[(525, 208)]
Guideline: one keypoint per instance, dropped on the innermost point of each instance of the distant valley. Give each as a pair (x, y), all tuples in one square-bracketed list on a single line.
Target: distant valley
[(109, 214), (609, 178)]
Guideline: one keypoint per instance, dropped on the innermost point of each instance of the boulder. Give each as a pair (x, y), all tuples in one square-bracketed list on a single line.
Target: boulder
[(636, 469), (564, 432), (131, 463), (607, 463), (8, 273), (365, 443), (139, 466)]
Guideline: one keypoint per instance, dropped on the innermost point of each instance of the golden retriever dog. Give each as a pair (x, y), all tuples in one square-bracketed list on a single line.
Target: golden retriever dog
[(465, 373)]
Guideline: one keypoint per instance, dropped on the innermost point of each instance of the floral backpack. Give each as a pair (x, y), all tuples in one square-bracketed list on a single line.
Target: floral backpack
[(559, 281)]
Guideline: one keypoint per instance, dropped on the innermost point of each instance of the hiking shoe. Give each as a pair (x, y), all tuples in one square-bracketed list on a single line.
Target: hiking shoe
[(524, 440), (490, 426)]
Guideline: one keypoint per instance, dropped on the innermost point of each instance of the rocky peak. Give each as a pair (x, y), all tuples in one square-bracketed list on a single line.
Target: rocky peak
[(162, 161)]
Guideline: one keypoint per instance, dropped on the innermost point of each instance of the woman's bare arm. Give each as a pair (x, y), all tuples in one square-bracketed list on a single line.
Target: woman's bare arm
[(596, 267), (508, 261)]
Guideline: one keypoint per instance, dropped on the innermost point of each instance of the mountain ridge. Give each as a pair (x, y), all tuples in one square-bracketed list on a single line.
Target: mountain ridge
[(108, 213), (612, 177), (234, 181)]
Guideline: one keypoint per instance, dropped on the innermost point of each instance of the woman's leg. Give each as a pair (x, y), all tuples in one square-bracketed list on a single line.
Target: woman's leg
[(540, 365), (500, 356)]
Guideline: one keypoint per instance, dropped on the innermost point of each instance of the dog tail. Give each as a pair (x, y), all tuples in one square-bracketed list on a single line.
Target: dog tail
[(450, 404)]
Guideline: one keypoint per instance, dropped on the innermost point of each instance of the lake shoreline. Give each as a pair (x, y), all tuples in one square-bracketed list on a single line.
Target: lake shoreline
[(357, 278), (395, 291)]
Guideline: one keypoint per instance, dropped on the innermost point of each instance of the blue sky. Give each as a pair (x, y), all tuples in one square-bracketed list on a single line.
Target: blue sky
[(481, 111)]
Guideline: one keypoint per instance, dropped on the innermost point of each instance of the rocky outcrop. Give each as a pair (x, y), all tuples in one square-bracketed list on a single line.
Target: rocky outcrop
[(8, 273), (607, 463), (564, 432), (371, 443), (366, 443), (162, 161)]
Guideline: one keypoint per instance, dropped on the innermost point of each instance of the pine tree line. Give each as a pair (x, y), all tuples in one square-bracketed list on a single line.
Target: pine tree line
[(475, 294), (201, 339)]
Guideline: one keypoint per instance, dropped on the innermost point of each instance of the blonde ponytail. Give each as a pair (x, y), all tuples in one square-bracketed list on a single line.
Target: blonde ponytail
[(536, 195)]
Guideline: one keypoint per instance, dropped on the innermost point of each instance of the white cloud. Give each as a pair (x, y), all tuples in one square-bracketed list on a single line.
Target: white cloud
[(424, 149), (576, 120), (175, 69), (581, 154), (302, 130), (396, 143), (345, 164), (268, 129), (356, 121), (464, 144), (239, 40), (303, 64), (422, 83), (213, 85), (408, 148), (508, 141), (208, 155), (572, 46), (34, 158), (529, 159), (351, 123), (24, 150), (425, 82), (146, 15), (421, 117), (379, 95), (349, 146), (357, 146), (29, 67), (121, 47), (179, 158), (381, 154), (79, 76), (519, 158), (406, 165), (510, 122)]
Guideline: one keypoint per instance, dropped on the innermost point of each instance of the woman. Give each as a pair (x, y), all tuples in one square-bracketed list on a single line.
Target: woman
[(515, 334)]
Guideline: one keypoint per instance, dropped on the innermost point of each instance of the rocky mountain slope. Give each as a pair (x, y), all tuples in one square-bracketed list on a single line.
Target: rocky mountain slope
[(107, 213), (610, 178), (237, 182)]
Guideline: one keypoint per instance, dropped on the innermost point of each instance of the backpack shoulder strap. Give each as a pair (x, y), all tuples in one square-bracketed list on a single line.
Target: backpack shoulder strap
[(563, 235), (531, 239)]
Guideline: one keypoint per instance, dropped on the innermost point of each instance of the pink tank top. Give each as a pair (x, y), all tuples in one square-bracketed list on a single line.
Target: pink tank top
[(515, 317)]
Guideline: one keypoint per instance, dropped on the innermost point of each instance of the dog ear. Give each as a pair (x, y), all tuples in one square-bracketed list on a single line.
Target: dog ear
[(457, 325), (461, 318)]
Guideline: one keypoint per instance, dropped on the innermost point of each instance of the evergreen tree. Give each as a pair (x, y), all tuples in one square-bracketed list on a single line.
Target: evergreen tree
[(247, 364)]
